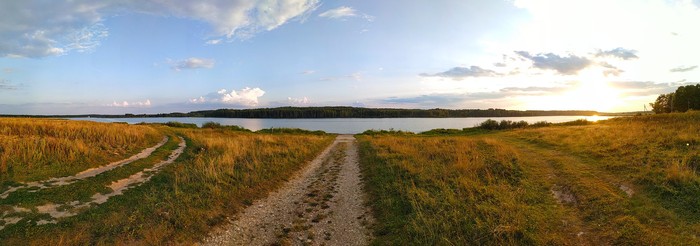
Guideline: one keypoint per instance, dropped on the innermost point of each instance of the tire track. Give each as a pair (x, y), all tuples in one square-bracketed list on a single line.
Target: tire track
[(15, 214), (91, 172), (324, 205)]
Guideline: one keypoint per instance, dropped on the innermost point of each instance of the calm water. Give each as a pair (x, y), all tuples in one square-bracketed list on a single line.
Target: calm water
[(349, 125)]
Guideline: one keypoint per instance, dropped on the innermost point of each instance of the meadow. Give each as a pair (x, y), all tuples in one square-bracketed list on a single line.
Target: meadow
[(36, 149), (221, 171), (629, 180)]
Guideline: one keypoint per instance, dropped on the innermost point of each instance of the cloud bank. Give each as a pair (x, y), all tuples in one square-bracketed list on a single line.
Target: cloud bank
[(36, 28)]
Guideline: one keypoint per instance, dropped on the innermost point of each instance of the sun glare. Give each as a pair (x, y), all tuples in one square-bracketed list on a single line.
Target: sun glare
[(592, 96)]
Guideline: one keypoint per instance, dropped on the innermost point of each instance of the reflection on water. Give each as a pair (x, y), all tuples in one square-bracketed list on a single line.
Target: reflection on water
[(350, 125)]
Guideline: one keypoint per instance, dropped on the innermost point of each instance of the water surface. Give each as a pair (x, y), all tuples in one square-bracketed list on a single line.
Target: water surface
[(349, 125)]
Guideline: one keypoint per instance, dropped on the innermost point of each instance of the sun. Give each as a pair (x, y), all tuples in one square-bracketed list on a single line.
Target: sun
[(592, 95)]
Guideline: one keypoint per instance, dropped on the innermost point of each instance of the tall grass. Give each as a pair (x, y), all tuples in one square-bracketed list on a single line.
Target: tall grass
[(454, 191), (36, 149), (629, 181), (220, 172), (660, 153)]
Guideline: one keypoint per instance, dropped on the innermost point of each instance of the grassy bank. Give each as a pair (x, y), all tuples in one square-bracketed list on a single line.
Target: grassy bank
[(37, 149), (630, 180), (220, 172)]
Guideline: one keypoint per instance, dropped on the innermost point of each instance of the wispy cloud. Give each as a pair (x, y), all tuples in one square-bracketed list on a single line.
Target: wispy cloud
[(357, 76), (610, 69), (619, 52), (344, 12), (136, 104), (191, 63), (459, 73), (214, 41), (247, 97), (6, 85), (308, 72), (683, 69), (565, 65)]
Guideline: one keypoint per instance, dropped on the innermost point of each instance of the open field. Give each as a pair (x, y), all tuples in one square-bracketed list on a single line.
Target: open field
[(622, 181), (37, 149), (163, 197)]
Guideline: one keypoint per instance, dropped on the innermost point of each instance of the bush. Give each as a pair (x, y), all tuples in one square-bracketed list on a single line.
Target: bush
[(290, 131), (386, 132), (579, 122), (504, 124), (180, 124), (211, 125)]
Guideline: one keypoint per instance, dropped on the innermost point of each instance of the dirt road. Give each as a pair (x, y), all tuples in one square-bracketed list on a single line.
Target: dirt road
[(322, 205)]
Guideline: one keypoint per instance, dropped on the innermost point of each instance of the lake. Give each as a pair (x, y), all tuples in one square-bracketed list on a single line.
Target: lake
[(349, 125)]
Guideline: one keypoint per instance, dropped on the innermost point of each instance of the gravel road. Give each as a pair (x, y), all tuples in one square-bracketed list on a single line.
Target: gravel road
[(322, 205)]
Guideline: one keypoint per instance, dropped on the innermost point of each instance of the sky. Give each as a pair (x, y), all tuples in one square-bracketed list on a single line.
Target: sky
[(158, 56)]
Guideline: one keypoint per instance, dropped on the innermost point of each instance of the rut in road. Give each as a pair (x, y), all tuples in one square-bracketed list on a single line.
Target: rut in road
[(322, 205)]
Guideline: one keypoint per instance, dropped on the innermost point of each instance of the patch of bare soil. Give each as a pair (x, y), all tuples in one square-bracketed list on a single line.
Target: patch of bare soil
[(323, 205)]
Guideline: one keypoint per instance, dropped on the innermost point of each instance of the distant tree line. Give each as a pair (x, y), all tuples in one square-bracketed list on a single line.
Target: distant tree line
[(683, 99), (345, 112), (353, 112)]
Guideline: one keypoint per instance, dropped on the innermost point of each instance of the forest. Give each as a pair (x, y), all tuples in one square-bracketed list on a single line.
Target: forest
[(354, 112), (683, 99)]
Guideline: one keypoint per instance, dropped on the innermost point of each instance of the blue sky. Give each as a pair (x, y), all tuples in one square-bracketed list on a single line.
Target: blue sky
[(74, 57)]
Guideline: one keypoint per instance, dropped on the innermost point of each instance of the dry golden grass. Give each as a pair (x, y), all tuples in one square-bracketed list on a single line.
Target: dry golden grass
[(220, 172), (624, 181), (36, 149), (455, 191)]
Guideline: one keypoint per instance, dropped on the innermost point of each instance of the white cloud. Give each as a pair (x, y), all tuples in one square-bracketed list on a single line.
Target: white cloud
[(214, 41), (247, 97), (339, 12), (192, 63), (344, 12), (308, 72), (36, 28), (298, 101), (125, 104)]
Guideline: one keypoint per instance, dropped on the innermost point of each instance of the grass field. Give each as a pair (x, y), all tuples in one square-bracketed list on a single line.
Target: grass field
[(37, 149), (220, 172), (623, 181)]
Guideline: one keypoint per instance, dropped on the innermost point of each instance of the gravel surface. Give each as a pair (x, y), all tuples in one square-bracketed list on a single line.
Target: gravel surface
[(322, 205)]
